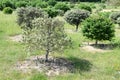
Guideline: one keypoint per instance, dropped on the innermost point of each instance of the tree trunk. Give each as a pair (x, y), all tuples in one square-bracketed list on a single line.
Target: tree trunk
[(46, 56), (96, 42), (77, 28)]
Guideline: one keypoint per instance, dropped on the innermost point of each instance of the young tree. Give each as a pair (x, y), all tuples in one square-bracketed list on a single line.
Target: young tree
[(47, 35), (98, 28), (26, 15), (75, 17)]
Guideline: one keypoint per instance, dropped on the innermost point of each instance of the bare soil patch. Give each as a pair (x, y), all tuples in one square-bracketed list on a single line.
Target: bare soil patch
[(101, 48), (16, 38), (54, 66), (109, 10)]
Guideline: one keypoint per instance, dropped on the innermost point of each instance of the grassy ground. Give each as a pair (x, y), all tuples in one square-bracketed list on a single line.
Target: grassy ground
[(90, 66)]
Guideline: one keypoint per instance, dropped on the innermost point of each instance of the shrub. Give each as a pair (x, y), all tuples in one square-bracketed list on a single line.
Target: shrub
[(98, 28), (8, 10), (62, 6), (75, 17), (85, 7), (42, 5), (52, 12), (52, 2), (26, 15), (21, 4), (7, 3)]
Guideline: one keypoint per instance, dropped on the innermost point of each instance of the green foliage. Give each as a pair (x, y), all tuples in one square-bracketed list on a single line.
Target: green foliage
[(8, 10), (52, 12), (21, 4), (103, 1), (7, 3), (85, 7), (62, 6), (42, 5), (104, 14), (52, 2), (75, 17), (26, 15), (1, 7), (98, 28), (47, 35), (115, 17)]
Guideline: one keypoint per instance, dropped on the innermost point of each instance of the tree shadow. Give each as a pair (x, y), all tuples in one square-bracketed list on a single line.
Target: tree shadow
[(80, 65), (104, 46)]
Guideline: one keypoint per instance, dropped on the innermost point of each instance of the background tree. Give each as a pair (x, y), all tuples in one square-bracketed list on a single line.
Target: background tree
[(115, 17), (47, 35), (62, 6), (52, 2), (98, 28), (75, 17), (26, 15)]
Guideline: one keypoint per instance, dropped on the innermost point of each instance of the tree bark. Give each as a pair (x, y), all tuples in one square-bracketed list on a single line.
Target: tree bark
[(96, 42), (77, 28), (46, 56)]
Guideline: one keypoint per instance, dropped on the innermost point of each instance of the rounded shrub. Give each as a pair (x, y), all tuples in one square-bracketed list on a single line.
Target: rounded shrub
[(8, 10), (85, 7), (62, 6), (98, 28), (51, 12)]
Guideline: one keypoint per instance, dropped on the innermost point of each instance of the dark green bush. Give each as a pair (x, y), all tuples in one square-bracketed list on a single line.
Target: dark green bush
[(51, 12), (52, 2), (7, 3), (8, 10), (1, 7), (98, 28), (62, 6)]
